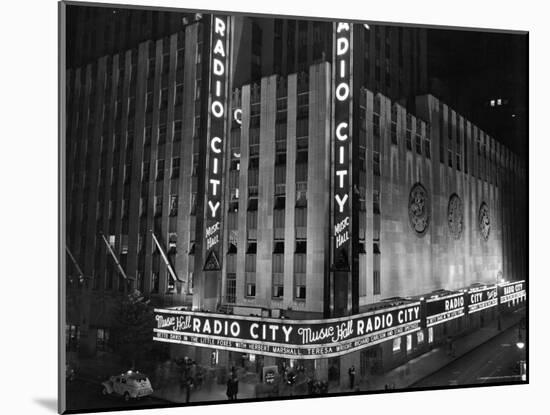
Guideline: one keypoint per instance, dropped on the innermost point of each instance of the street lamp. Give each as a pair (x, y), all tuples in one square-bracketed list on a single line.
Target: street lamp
[(520, 343)]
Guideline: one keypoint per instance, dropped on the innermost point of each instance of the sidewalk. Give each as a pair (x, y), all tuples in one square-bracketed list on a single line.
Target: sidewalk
[(415, 370)]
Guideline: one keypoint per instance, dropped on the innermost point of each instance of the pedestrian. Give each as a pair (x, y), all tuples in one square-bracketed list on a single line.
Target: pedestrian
[(189, 385), (453, 349), (235, 388), (229, 391), (351, 373)]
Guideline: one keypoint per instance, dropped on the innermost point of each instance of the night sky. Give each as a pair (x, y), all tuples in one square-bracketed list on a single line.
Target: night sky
[(467, 69)]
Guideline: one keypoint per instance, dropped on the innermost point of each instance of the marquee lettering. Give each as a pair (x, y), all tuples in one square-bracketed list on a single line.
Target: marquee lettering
[(342, 136), (216, 132)]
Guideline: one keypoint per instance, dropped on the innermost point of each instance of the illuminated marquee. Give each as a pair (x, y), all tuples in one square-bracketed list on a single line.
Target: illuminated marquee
[(305, 339), (442, 309), (342, 135), (480, 299), (512, 291), (216, 136)]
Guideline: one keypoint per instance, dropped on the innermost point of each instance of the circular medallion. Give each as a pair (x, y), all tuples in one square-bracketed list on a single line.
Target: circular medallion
[(455, 216), (484, 221), (419, 209)]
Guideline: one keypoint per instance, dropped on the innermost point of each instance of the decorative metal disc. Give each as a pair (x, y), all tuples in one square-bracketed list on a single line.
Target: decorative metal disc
[(484, 221), (419, 209), (455, 216)]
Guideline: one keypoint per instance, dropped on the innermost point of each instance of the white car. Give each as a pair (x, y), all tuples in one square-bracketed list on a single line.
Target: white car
[(131, 384)]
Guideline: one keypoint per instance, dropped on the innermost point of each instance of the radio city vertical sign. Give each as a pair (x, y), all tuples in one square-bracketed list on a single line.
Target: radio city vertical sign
[(341, 139), (216, 137)]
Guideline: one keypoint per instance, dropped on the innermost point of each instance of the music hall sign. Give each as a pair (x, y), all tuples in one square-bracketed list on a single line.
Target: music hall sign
[(303, 339)]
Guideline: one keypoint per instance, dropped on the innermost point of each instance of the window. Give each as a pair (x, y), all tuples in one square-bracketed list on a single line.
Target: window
[(72, 337), (430, 334), (251, 289), (162, 134), (376, 163), (279, 203), (170, 283), (149, 102), (231, 288), (376, 125), (142, 206), (396, 345), (155, 282), (252, 219), (172, 241), (376, 282), (301, 246), (408, 139), (409, 342), (300, 286), (193, 204), (301, 217), (253, 204), (103, 339), (140, 242), (301, 197), (158, 206), (418, 144), (125, 209), (177, 130), (301, 159), (124, 244), (278, 248), (278, 285), (251, 250), (175, 168), (160, 170), (420, 337), (190, 282), (427, 148), (173, 205), (279, 219), (376, 202), (179, 93)]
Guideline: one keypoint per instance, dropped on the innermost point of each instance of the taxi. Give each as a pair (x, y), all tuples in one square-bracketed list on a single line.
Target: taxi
[(130, 385)]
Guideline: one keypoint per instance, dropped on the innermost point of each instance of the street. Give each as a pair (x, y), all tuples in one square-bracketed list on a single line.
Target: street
[(493, 362), (85, 395)]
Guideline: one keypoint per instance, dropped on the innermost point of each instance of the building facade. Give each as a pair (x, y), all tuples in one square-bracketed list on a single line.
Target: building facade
[(242, 221)]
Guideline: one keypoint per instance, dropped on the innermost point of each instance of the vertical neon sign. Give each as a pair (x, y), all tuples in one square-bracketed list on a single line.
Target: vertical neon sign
[(342, 131), (216, 137)]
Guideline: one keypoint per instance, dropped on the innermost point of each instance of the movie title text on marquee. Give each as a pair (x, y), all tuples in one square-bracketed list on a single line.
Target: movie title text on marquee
[(509, 292), (480, 299), (216, 131), (442, 309), (307, 339), (341, 137)]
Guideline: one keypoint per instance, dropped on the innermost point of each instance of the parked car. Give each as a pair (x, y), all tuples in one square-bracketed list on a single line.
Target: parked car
[(130, 385)]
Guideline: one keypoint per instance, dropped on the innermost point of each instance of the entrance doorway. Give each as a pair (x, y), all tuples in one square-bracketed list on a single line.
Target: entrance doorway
[(371, 361)]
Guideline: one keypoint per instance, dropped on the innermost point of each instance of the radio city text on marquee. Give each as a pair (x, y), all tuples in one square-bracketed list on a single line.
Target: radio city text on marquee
[(305, 338)]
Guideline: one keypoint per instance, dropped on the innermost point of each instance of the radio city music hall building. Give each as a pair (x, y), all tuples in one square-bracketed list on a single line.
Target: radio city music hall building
[(301, 216)]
